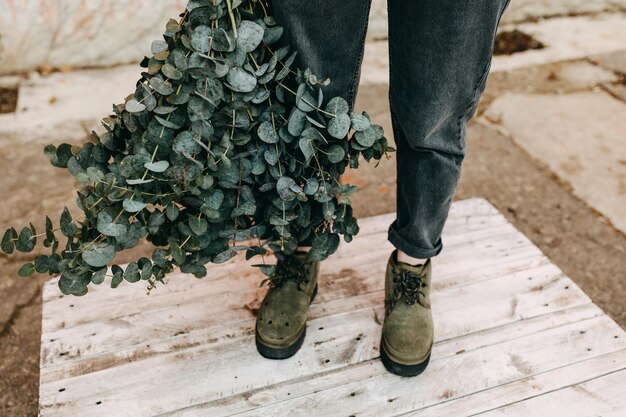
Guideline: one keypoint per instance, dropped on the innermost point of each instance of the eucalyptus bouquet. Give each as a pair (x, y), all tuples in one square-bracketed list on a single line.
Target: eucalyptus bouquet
[(223, 147)]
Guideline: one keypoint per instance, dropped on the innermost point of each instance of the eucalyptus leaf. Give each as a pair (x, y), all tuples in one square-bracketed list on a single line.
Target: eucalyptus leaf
[(133, 206), (240, 80), (134, 106), (107, 227), (337, 106), (98, 254), (223, 139), (339, 126), (250, 35), (267, 133), (160, 166), (336, 154)]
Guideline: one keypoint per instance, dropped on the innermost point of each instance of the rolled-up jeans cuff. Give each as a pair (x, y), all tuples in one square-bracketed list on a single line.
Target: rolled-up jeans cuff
[(411, 249)]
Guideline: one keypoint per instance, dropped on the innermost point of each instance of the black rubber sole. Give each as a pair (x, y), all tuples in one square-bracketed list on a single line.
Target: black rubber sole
[(270, 352), (401, 369)]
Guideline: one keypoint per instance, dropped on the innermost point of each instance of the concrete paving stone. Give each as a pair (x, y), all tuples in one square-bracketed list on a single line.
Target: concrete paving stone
[(552, 78), (614, 61), (68, 99), (581, 137), (616, 90), (566, 39)]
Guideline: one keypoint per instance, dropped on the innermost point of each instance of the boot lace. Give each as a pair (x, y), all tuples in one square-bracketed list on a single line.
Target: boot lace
[(409, 285), (290, 268)]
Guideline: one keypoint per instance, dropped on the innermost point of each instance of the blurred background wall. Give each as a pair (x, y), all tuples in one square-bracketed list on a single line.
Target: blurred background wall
[(95, 33)]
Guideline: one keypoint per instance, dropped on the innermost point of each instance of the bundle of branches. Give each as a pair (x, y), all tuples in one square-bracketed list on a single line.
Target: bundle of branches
[(223, 147)]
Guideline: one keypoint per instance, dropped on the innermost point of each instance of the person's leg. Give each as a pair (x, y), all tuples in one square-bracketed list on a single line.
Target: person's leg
[(329, 37), (440, 55)]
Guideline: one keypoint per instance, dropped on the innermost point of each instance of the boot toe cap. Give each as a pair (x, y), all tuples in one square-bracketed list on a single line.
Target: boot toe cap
[(408, 342)]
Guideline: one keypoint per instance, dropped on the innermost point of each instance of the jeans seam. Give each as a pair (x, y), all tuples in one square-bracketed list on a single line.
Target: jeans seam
[(360, 59)]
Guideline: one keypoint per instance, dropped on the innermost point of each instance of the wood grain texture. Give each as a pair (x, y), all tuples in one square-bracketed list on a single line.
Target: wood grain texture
[(514, 336)]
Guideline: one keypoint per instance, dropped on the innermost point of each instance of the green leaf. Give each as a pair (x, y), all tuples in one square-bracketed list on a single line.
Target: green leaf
[(171, 72), (8, 244), (304, 99), (133, 206), (250, 35), (224, 256), (26, 241), (339, 126), (222, 41), (215, 199), (178, 254), (106, 226), (68, 228), (132, 274), (359, 122), (241, 80), (297, 122), (267, 133), (336, 154), (272, 34), (198, 225), (98, 254), (306, 146), (245, 209), (26, 270), (271, 156), (160, 166), (366, 138), (133, 106), (162, 87), (42, 264), (311, 186), (74, 284), (172, 212), (285, 188), (160, 50), (200, 38), (138, 181), (118, 276), (337, 106), (167, 123), (98, 277), (186, 144)]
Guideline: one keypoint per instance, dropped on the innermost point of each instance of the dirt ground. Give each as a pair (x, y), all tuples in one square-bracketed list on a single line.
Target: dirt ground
[(8, 99), (576, 238)]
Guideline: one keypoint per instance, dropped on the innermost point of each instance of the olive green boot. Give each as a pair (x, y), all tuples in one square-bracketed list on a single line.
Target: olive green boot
[(281, 321), (407, 335)]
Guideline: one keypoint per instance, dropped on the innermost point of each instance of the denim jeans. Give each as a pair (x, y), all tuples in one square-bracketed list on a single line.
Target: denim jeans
[(440, 54)]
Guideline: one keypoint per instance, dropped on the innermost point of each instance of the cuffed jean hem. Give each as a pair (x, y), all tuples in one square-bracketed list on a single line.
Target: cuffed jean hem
[(410, 249)]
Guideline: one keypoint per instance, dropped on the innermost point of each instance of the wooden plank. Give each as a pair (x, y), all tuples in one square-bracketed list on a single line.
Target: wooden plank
[(327, 381), (63, 344), (507, 321), (192, 366), (469, 372), (600, 396), (223, 277), (134, 390), (223, 271), (509, 298)]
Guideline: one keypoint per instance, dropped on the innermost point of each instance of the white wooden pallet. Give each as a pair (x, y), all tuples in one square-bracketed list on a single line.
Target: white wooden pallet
[(514, 337)]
